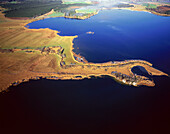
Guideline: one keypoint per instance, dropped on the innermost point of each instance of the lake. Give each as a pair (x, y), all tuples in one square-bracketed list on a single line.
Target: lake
[(98, 105), (118, 35)]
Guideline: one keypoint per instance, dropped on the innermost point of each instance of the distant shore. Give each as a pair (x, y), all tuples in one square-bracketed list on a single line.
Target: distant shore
[(140, 8)]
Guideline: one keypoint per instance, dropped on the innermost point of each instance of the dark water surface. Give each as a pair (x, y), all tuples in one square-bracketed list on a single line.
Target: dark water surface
[(88, 106), (98, 105)]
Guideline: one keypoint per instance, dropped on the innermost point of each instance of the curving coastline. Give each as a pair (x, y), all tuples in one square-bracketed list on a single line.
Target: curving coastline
[(50, 56), (138, 7)]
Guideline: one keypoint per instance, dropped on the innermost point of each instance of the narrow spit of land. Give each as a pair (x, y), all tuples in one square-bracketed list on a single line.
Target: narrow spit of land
[(41, 53)]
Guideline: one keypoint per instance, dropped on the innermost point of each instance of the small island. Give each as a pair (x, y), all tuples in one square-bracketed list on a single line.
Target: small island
[(90, 32)]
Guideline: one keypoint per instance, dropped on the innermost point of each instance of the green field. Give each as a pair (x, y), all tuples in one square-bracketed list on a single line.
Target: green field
[(56, 14), (13, 2), (152, 6), (85, 11), (76, 2)]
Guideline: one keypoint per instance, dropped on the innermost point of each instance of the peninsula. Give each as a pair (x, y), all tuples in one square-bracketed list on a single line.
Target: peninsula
[(41, 53)]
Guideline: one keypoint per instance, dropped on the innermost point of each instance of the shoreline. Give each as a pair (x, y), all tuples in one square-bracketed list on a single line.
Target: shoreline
[(119, 70)]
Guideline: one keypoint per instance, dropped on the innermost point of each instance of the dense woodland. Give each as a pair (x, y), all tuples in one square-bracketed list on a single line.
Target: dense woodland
[(32, 8), (29, 8)]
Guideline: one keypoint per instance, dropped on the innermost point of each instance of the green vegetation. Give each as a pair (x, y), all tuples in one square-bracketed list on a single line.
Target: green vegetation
[(71, 13), (13, 2), (150, 6), (29, 9), (167, 12), (124, 5), (85, 10), (56, 14), (76, 2), (36, 8)]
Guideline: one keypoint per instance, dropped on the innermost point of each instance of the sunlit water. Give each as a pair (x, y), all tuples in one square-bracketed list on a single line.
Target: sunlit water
[(118, 35)]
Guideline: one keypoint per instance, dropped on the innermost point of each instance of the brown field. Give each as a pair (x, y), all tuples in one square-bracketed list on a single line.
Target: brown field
[(142, 8), (33, 53)]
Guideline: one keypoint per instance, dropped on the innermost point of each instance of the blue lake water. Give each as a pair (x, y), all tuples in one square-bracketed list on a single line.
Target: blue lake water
[(118, 35), (98, 105)]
